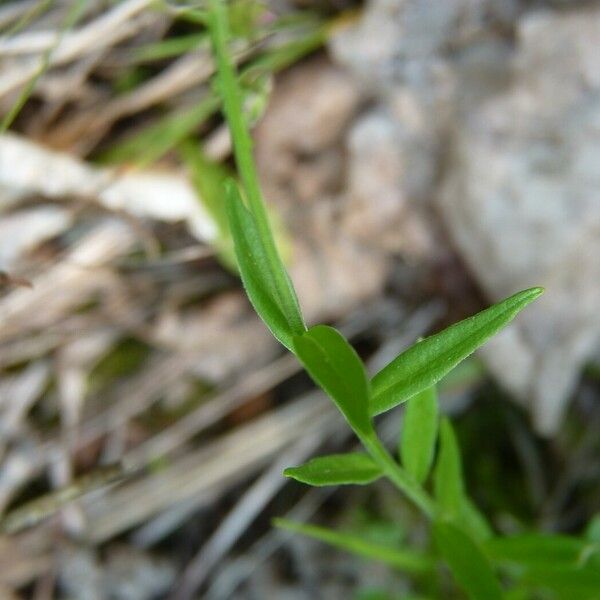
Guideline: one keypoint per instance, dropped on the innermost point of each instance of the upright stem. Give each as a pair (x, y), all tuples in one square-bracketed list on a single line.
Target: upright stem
[(229, 91), (232, 105), (240, 137), (398, 476)]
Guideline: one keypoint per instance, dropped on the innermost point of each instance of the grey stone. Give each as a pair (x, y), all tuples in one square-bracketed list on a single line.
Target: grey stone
[(503, 132), (522, 202)]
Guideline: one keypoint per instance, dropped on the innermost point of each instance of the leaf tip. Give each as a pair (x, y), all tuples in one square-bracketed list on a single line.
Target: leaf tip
[(525, 297), (534, 292)]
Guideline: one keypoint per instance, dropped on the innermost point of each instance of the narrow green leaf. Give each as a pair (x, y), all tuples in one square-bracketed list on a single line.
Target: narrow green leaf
[(334, 365), (452, 501), (427, 361), (404, 559), (208, 178), (570, 582), (473, 521), (151, 143), (448, 480), (534, 549), (419, 433), (337, 469), (257, 275), (467, 562), (167, 48)]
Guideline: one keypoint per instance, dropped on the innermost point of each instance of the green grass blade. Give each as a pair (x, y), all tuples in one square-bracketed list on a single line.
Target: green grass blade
[(27, 18), (400, 558), (153, 142), (469, 566), (334, 365), (279, 58), (448, 479), (208, 178), (419, 433), (256, 272), (170, 47), (337, 469), (430, 359)]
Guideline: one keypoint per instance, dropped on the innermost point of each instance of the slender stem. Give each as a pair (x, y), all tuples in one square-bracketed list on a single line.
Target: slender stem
[(398, 476), (242, 147), (232, 106)]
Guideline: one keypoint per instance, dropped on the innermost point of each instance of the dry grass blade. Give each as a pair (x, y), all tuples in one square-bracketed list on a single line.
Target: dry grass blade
[(44, 507), (238, 520), (106, 30)]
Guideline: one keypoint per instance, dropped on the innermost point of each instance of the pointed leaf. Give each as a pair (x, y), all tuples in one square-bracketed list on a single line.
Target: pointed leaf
[(448, 480), (468, 564), (270, 300), (401, 558), (336, 469), (427, 361), (419, 433), (334, 365)]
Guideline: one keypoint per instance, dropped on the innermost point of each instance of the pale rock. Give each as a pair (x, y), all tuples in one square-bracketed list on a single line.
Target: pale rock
[(522, 203)]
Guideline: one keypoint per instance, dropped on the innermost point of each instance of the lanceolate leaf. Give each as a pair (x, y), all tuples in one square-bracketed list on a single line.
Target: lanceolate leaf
[(448, 480), (275, 303), (337, 469), (427, 361), (334, 365), (468, 564), (401, 558), (419, 433)]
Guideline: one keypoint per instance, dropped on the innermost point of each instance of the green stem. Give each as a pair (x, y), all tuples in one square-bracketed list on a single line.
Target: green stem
[(398, 476), (242, 148), (232, 106)]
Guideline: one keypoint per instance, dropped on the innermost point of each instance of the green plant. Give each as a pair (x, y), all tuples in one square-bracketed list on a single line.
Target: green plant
[(256, 42), (463, 538)]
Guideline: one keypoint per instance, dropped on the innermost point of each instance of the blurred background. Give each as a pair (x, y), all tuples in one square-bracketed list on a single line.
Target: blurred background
[(421, 160)]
